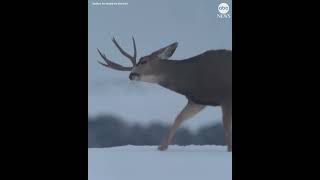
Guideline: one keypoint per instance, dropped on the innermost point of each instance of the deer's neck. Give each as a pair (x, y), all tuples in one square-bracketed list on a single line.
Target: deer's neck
[(174, 74)]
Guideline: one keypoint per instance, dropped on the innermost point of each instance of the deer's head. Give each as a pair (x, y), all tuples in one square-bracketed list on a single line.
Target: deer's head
[(148, 69)]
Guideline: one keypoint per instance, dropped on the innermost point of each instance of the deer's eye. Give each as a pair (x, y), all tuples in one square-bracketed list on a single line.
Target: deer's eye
[(143, 62)]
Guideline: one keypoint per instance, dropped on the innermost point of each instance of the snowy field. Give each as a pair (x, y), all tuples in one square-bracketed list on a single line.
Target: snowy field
[(147, 163)]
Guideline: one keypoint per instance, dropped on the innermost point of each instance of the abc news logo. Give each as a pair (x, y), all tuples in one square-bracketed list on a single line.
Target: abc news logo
[(223, 9)]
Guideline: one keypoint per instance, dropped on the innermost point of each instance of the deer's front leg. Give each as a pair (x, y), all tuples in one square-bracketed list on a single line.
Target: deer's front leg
[(188, 111)]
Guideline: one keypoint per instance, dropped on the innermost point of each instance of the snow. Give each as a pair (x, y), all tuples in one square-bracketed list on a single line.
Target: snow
[(146, 162)]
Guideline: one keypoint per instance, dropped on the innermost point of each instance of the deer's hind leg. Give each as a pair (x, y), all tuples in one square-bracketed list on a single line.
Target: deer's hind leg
[(227, 124), (188, 112)]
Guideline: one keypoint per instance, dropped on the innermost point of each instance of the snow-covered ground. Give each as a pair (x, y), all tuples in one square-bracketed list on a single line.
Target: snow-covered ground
[(147, 163)]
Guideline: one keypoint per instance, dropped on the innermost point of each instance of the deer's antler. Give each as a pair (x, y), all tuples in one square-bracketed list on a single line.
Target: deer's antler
[(116, 66)]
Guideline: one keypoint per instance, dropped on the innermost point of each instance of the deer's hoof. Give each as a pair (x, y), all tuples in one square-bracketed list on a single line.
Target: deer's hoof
[(163, 147)]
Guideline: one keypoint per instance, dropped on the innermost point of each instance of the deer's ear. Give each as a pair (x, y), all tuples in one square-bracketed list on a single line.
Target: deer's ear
[(167, 51)]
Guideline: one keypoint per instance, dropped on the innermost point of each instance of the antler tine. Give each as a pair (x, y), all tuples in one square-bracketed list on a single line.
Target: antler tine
[(111, 64), (135, 49), (132, 59)]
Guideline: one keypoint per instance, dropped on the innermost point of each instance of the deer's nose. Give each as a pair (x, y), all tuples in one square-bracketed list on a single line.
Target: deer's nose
[(132, 75)]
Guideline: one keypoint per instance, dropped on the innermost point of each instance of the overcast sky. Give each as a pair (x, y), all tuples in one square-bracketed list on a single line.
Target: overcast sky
[(154, 24)]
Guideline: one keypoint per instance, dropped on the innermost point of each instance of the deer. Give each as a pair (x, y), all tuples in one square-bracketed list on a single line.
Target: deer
[(204, 79)]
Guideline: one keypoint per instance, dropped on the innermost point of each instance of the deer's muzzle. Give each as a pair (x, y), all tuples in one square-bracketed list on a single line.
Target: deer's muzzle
[(133, 76)]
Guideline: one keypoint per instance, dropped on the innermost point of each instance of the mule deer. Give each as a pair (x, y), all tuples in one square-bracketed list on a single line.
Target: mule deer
[(205, 80)]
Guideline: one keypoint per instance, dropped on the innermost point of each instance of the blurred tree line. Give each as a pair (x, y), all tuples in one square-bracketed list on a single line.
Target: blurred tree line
[(108, 131)]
